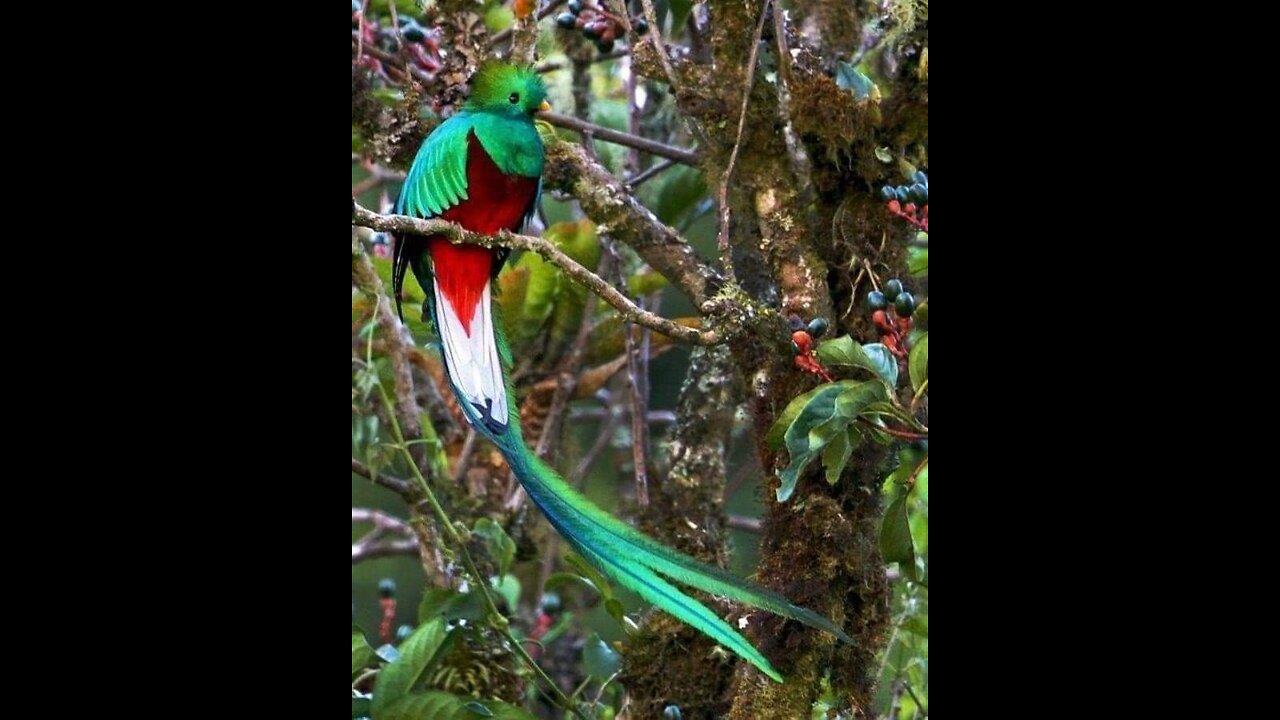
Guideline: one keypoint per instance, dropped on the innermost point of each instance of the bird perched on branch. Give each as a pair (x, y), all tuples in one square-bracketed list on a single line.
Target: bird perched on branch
[(482, 169)]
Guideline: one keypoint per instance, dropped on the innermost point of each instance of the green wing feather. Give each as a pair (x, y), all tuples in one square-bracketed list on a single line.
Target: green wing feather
[(437, 180)]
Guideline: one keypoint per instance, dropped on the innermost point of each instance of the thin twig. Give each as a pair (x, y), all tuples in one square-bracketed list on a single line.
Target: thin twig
[(404, 224), (722, 234), (653, 147), (653, 170), (396, 485)]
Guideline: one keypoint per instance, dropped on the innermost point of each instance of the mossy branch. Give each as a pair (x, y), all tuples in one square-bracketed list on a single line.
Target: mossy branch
[(456, 234)]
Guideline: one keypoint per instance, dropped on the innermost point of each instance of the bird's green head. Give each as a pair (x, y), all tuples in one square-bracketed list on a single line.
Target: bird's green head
[(508, 90)]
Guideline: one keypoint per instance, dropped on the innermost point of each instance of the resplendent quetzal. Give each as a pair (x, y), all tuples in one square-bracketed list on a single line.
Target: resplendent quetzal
[(482, 169)]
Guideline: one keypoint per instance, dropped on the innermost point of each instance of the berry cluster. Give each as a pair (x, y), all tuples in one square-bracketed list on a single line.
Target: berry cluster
[(421, 44), (802, 338), (597, 24), (891, 311), (910, 202)]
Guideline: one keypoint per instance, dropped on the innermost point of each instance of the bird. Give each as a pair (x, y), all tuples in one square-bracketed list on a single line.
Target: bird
[(482, 168)]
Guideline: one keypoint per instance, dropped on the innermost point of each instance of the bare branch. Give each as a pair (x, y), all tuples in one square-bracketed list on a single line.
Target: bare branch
[(599, 132), (396, 485), (404, 224)]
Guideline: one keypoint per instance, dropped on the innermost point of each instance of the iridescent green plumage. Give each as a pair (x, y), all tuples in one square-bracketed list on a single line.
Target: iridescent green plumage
[(498, 116)]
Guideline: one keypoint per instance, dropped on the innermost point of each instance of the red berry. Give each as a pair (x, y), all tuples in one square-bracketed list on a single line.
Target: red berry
[(894, 206), (802, 341)]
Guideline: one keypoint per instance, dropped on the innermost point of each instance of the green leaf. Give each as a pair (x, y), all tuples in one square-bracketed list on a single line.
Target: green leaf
[(872, 356), (590, 574), (509, 589), (438, 705), (361, 653), (918, 261), (598, 659), (848, 78), (826, 414), (558, 579), (895, 536), (360, 707), (883, 362), (451, 605), (679, 13), (499, 545), (416, 653), (836, 455), (778, 432), (918, 362)]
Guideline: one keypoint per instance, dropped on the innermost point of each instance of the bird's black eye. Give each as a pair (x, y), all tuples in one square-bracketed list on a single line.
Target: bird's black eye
[(515, 98)]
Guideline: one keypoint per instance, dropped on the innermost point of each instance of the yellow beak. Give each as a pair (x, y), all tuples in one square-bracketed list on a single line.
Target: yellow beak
[(544, 107)]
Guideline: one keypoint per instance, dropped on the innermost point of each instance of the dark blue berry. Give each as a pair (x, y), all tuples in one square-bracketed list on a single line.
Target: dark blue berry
[(876, 300), (892, 289), (902, 193), (566, 20), (640, 26), (919, 194), (887, 192), (575, 6), (921, 178), (905, 305), (818, 327)]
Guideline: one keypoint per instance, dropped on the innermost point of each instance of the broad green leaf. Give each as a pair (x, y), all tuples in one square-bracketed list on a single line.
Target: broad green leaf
[(883, 362), (599, 659), (778, 432), (613, 606), (451, 605), (438, 705), (849, 78), (499, 545), (895, 536), (590, 573), (825, 414), (508, 588), (361, 653), (872, 356), (559, 579), (360, 707), (416, 653), (837, 453), (679, 13), (918, 362), (918, 261)]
